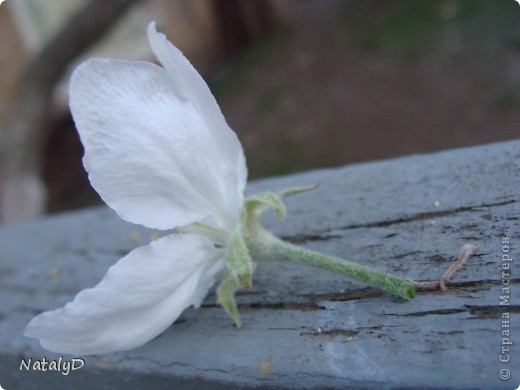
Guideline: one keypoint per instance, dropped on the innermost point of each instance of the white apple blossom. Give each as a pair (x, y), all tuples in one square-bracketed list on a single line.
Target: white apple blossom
[(159, 152)]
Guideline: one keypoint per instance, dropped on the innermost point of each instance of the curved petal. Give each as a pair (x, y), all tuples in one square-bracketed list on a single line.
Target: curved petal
[(139, 297), (192, 86), (206, 282), (148, 151)]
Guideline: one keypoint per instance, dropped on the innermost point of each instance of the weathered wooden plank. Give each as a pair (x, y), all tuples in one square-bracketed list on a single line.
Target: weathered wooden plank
[(305, 328)]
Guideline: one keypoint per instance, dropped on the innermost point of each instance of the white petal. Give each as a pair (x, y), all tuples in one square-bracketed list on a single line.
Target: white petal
[(206, 282), (149, 153), (139, 297), (192, 86)]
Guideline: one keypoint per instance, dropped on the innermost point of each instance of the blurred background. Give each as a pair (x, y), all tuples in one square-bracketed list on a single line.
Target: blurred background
[(305, 84)]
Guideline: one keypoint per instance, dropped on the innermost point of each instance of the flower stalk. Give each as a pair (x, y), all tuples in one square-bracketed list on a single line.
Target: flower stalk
[(264, 246), (253, 243), (276, 249)]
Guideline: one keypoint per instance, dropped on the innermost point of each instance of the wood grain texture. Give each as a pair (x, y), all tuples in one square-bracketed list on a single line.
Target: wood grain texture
[(305, 328)]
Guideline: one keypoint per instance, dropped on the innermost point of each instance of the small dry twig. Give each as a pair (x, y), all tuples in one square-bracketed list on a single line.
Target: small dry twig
[(466, 251)]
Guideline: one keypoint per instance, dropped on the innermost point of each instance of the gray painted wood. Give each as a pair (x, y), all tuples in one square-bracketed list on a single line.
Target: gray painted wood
[(305, 328)]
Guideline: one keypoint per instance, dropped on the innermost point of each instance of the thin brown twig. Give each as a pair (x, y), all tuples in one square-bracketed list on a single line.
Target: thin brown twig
[(465, 252)]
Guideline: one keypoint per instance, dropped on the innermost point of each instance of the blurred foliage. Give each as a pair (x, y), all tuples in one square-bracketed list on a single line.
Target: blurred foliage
[(508, 99), (406, 28), (410, 26), (237, 70)]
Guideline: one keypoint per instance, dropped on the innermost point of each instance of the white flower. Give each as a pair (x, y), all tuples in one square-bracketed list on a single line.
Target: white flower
[(159, 152)]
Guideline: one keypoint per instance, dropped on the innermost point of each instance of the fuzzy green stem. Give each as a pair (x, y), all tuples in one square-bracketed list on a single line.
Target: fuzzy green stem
[(264, 245)]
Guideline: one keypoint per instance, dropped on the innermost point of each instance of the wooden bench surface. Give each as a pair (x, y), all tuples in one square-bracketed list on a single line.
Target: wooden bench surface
[(305, 328)]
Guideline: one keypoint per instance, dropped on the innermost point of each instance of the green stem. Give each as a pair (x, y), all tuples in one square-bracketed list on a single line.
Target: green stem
[(263, 245)]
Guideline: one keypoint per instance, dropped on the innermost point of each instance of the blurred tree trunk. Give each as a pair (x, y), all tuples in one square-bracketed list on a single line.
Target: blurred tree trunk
[(22, 191), (241, 22)]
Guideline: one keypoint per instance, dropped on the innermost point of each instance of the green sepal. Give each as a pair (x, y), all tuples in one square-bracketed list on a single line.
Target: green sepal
[(297, 190), (260, 203), (226, 297), (239, 260)]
